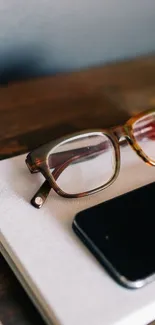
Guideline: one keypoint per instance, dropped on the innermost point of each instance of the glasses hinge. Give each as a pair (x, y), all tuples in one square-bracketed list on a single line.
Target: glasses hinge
[(32, 168)]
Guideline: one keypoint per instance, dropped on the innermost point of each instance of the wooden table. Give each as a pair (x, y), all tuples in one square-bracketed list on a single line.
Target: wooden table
[(36, 111)]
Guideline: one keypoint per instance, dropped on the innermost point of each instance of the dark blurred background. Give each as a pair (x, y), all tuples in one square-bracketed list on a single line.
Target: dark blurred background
[(46, 37)]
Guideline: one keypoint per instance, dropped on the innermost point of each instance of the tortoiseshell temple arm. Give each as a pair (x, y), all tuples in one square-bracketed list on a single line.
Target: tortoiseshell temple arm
[(40, 197)]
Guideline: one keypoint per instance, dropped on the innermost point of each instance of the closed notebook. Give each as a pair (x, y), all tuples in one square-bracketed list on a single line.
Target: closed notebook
[(63, 279)]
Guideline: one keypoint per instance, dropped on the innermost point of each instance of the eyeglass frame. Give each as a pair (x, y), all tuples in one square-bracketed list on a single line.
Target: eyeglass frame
[(37, 159)]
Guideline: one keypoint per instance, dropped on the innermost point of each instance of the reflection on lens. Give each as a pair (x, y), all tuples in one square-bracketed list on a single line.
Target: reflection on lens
[(144, 133), (83, 163)]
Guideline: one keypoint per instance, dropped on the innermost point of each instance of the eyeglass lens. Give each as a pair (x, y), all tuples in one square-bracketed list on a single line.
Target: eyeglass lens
[(84, 163)]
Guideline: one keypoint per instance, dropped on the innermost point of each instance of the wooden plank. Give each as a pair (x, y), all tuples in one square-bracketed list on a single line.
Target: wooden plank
[(15, 306), (39, 110)]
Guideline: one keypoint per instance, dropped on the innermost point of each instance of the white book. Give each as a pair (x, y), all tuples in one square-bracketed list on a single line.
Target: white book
[(63, 279)]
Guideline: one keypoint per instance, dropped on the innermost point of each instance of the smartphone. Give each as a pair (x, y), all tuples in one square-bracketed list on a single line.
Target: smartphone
[(121, 234)]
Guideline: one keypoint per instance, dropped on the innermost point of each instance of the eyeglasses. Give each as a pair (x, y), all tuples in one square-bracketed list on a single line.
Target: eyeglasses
[(87, 162)]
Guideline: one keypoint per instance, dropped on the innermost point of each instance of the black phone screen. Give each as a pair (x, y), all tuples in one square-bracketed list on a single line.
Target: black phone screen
[(123, 230)]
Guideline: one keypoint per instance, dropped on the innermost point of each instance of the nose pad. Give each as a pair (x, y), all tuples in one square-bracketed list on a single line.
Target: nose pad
[(119, 133), (121, 138)]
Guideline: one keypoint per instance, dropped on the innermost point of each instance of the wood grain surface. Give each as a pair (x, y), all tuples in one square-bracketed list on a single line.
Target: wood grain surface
[(35, 111)]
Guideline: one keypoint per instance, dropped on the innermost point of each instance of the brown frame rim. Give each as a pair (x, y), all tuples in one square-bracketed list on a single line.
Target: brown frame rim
[(59, 191)]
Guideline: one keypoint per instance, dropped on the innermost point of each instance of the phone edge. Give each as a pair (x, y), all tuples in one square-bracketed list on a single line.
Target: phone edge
[(125, 282)]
